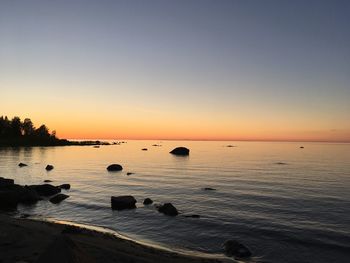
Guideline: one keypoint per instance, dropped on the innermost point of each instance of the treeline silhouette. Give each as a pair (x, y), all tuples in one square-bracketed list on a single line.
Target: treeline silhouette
[(15, 132)]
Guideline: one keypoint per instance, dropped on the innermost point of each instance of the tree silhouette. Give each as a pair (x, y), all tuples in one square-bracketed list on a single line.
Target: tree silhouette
[(28, 127), (16, 127), (16, 133)]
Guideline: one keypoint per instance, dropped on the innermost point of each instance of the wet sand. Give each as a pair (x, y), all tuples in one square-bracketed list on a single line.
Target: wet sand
[(27, 240)]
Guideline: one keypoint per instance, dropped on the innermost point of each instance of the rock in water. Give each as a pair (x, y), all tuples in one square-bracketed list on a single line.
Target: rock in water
[(147, 201), (12, 194), (144, 149), (58, 198), (183, 151), (209, 189), (64, 186), (22, 165), (123, 202), (236, 249), (45, 189), (6, 182), (114, 167), (49, 167), (193, 216), (168, 209)]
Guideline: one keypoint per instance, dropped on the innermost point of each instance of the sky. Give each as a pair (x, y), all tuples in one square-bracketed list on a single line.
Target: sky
[(184, 69)]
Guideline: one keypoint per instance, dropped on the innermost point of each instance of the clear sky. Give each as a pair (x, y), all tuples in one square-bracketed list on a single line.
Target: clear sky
[(251, 70)]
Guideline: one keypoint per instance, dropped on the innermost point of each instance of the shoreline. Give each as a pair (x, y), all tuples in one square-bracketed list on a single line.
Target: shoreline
[(38, 240)]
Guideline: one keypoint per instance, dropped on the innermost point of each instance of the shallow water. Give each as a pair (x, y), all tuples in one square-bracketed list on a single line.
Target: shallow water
[(298, 211)]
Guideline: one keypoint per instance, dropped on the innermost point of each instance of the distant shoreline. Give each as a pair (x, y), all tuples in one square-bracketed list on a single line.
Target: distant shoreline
[(53, 143)]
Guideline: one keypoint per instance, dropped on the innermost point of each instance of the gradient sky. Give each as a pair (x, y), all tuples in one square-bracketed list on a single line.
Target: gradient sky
[(250, 70)]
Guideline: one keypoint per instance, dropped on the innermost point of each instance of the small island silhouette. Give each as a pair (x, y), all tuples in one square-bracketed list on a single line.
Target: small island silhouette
[(15, 133)]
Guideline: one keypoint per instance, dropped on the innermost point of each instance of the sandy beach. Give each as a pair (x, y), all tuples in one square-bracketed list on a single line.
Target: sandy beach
[(27, 240)]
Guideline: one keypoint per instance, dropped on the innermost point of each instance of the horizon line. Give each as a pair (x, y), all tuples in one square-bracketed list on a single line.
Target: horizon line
[(213, 140)]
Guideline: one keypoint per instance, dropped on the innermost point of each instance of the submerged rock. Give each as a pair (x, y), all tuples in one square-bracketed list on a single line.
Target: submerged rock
[(47, 181), (168, 209), (58, 198), (281, 163), (236, 249), (114, 167), (209, 189), (129, 173), (123, 202), (49, 167), (230, 146), (147, 201), (64, 186), (193, 216), (183, 151), (301, 147), (22, 165), (45, 189), (144, 149)]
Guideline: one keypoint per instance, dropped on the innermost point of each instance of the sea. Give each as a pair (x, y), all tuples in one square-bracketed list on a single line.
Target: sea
[(285, 203)]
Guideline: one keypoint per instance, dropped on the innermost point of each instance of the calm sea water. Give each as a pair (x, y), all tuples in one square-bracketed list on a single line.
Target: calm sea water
[(293, 212)]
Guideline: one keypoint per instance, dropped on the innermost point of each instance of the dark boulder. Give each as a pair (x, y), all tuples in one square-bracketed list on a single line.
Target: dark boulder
[(6, 182), (8, 200), (168, 209), (230, 146), (144, 149), (114, 167), (11, 195), (28, 195), (64, 186), (236, 249), (129, 173), (45, 189), (183, 151), (123, 202), (147, 201), (58, 198), (22, 165), (47, 181), (301, 147), (23, 194), (49, 167)]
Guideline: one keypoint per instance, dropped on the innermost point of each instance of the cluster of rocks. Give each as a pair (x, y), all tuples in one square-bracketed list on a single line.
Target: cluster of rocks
[(12, 194), (129, 202), (48, 167)]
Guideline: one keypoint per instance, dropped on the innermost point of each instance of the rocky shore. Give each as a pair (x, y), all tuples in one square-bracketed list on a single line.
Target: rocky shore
[(26, 240)]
